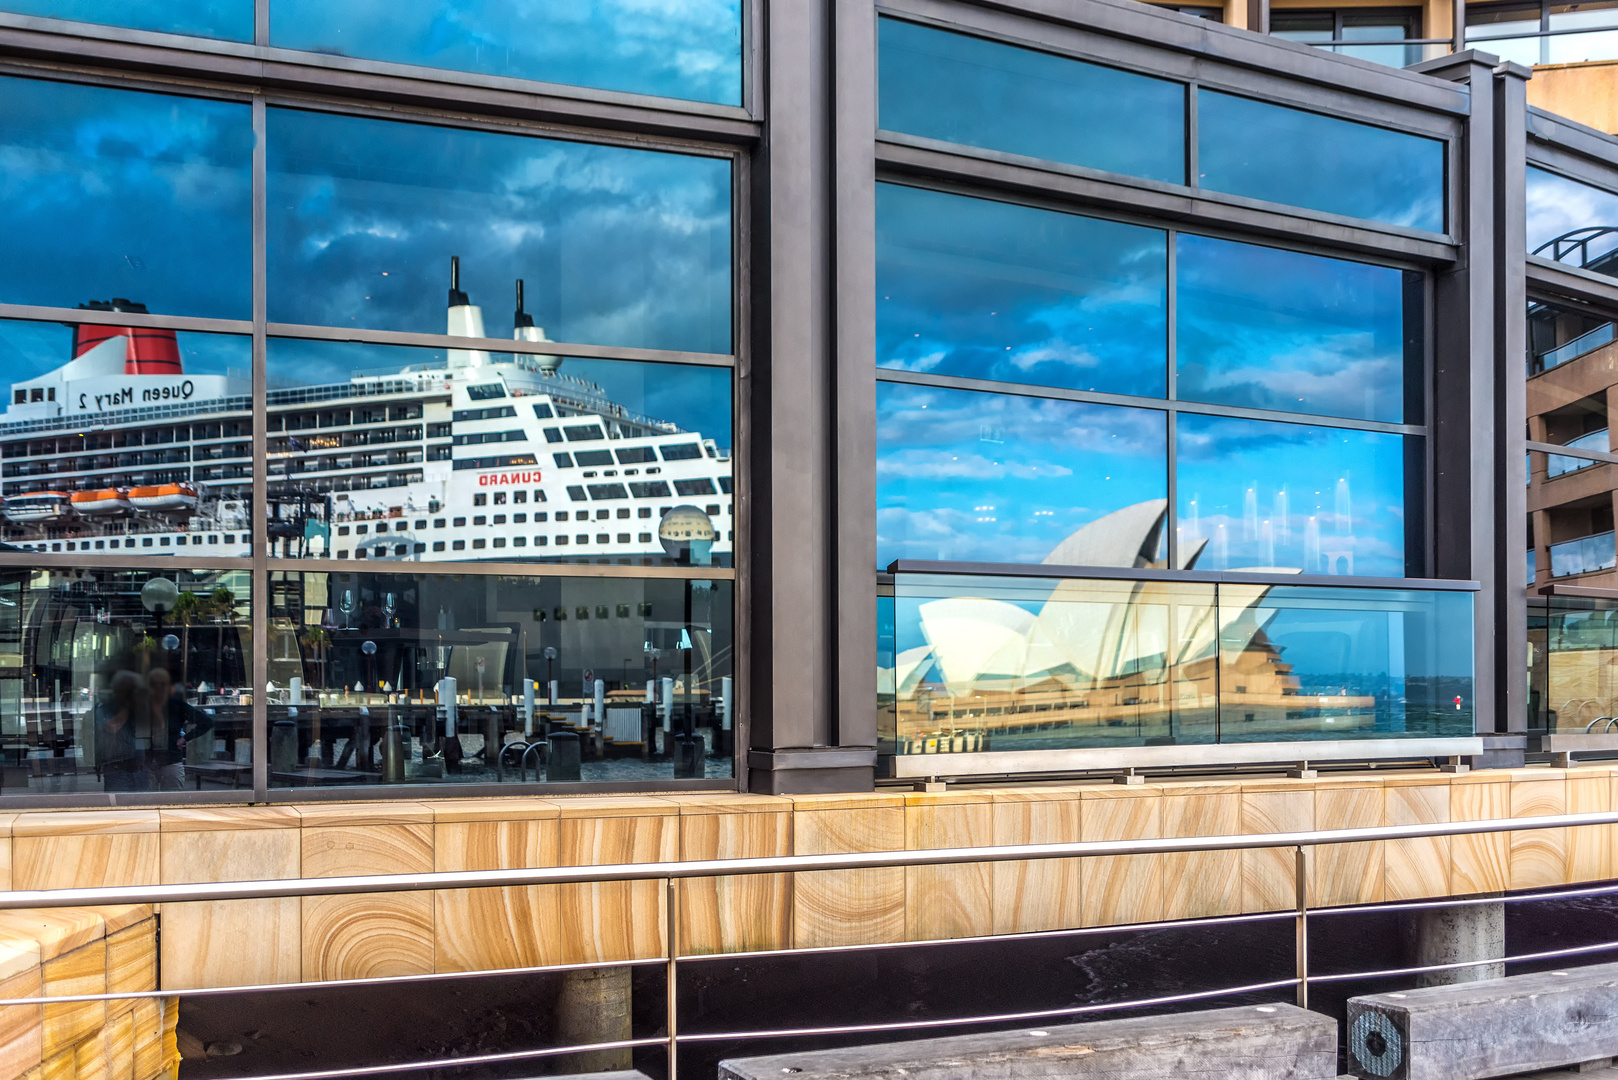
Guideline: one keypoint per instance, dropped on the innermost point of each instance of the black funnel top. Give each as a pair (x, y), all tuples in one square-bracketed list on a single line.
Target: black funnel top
[(456, 297), (522, 318)]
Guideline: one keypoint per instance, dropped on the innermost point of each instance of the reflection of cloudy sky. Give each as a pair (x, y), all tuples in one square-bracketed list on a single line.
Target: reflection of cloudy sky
[(616, 246), (999, 478), (989, 290), (672, 48), (961, 89), (31, 349), (109, 193), (228, 19), (1271, 329), (1318, 162), (1318, 499), (696, 398), (1557, 205)]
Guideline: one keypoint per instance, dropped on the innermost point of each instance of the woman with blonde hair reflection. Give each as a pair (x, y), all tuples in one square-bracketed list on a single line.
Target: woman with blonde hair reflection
[(118, 725), (174, 724)]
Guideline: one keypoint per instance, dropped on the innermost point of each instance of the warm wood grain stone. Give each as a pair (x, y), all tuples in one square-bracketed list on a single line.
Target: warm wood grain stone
[(368, 935), (848, 907), (1538, 858), (1480, 863), (1416, 869), (1203, 883), (1348, 873), (1122, 888), (1043, 894), (1268, 876), (949, 901)]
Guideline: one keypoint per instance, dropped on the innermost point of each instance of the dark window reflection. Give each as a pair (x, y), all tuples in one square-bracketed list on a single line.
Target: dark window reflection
[(230, 20), (962, 89), (125, 440), (126, 198), (1572, 223), (420, 455), (1299, 158), (990, 290), (1321, 27), (125, 681), (384, 678), (995, 664), (1573, 644), (1271, 329), (998, 478), (690, 50), (615, 246), (1259, 495)]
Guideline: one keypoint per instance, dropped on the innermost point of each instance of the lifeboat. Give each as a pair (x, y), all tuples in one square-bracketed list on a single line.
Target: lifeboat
[(38, 506), (164, 497), (102, 502)]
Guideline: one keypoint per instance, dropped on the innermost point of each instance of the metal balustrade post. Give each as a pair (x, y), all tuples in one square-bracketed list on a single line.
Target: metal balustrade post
[(673, 916), (1300, 884)]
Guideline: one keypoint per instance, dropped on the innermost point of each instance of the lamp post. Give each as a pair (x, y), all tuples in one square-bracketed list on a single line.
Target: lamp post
[(159, 595)]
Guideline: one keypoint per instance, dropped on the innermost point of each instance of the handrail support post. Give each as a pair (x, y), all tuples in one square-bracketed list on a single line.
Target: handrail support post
[(1300, 883), (673, 915)]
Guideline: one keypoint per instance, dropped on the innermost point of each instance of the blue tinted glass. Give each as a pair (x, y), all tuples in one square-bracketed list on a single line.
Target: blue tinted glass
[(1299, 158), (999, 478), (615, 246), (114, 195), (475, 455), (688, 50), (1568, 222), (1316, 500), (961, 89), (231, 20), (1301, 662), (1270, 329), (989, 290)]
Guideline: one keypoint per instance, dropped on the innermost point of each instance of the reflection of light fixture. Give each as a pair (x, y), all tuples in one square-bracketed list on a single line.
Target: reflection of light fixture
[(159, 595)]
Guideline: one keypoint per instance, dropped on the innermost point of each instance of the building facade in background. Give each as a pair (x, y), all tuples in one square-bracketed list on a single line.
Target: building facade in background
[(931, 391)]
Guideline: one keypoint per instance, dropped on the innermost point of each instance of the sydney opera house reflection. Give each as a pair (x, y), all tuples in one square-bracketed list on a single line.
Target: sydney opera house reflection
[(1044, 663)]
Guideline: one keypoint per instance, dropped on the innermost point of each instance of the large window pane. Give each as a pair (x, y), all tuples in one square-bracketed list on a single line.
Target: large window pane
[(1315, 500), (690, 50), (124, 680), (995, 664), (615, 246), (1572, 223), (114, 196), (1270, 329), (1302, 662), (382, 678), (417, 455), (1000, 478), (1299, 158), (962, 89), (989, 290), (231, 20), (137, 441), (1573, 654)]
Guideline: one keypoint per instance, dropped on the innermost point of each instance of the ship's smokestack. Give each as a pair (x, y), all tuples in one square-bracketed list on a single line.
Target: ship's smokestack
[(457, 298), (522, 318)]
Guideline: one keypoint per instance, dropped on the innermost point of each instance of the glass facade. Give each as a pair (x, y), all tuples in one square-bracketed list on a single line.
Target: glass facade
[(125, 681), (397, 678), (1545, 32), (1271, 152), (1572, 222), (229, 20), (975, 664), (1361, 33)]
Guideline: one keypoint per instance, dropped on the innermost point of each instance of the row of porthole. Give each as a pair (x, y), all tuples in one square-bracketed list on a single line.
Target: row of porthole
[(128, 542), (480, 544)]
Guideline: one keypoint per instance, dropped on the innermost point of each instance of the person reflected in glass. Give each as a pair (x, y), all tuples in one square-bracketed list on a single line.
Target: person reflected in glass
[(175, 723), (118, 749)]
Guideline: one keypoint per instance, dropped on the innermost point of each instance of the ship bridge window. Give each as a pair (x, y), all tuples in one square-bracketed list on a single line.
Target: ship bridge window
[(583, 433), (481, 498), (438, 523), (539, 496), (519, 497), (593, 457), (701, 486), (543, 411), (460, 522), (682, 452), (499, 498), (645, 512), (541, 517), (623, 512), (608, 491), (724, 484), (553, 435), (486, 391), (563, 460), (576, 493), (496, 413), (480, 520), (636, 454), (519, 519), (36, 394), (651, 489), (499, 519)]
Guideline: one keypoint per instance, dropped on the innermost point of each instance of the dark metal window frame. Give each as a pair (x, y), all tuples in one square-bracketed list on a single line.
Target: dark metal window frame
[(1544, 33), (113, 57)]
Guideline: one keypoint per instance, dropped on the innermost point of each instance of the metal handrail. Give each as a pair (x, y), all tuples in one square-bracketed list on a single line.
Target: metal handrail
[(672, 873)]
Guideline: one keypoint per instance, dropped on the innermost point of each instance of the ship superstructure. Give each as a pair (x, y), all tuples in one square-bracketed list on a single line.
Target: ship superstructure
[(480, 456)]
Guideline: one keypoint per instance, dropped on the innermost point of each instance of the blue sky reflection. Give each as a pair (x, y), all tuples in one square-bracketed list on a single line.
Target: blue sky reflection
[(1558, 206), (616, 246), (690, 49), (230, 20), (963, 475), (108, 193), (988, 290)]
